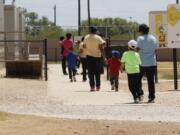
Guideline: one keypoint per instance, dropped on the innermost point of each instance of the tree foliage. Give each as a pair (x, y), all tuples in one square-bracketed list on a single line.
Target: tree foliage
[(41, 27), (114, 27)]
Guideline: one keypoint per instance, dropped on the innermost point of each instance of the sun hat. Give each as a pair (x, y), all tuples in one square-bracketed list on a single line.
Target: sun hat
[(115, 53), (93, 28), (132, 44)]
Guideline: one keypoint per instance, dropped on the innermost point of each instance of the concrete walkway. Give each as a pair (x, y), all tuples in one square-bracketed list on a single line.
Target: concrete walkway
[(60, 98)]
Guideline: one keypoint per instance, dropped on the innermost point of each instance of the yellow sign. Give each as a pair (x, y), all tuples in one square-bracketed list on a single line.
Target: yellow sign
[(173, 16), (159, 23), (160, 31)]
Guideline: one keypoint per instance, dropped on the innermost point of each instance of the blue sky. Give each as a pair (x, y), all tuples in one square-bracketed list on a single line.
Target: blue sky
[(67, 9)]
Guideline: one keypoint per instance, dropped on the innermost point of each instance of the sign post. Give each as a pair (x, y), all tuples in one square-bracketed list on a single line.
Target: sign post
[(174, 36)]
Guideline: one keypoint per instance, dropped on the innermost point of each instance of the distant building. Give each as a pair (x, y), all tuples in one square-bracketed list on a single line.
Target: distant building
[(14, 23), (12, 27)]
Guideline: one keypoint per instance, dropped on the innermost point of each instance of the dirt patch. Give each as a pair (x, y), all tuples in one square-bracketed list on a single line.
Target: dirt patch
[(31, 125)]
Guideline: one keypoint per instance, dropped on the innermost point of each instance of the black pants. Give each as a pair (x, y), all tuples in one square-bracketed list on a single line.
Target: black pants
[(102, 65), (93, 65), (78, 62), (150, 74), (64, 64), (72, 72), (114, 80), (84, 68), (134, 84)]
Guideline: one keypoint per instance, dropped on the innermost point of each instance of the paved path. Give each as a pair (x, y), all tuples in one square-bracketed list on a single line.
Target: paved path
[(60, 98)]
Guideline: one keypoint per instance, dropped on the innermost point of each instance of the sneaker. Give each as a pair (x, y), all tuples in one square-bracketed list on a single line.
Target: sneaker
[(65, 73), (136, 101), (97, 88), (116, 89), (84, 80), (74, 78), (112, 87), (71, 80), (141, 98), (151, 101), (92, 89), (77, 73)]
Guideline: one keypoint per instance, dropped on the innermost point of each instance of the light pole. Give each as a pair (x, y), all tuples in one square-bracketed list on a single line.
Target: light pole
[(89, 14), (79, 17), (55, 15)]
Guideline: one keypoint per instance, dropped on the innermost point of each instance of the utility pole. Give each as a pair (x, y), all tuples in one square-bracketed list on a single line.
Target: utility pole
[(89, 14), (55, 15), (79, 17)]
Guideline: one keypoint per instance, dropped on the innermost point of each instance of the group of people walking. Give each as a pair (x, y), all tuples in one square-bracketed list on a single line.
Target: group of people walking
[(138, 60)]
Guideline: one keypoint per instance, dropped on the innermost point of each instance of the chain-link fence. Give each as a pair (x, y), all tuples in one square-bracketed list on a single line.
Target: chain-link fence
[(23, 58)]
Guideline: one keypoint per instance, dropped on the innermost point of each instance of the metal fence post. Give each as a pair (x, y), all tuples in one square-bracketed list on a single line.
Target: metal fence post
[(107, 54), (156, 71), (46, 65), (56, 55), (156, 74), (175, 68)]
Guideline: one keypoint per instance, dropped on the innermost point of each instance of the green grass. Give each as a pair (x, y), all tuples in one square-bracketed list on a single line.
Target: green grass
[(169, 76), (54, 62), (165, 69), (167, 73)]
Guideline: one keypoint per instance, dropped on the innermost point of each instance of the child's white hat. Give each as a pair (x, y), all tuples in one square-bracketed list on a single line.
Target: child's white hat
[(132, 44)]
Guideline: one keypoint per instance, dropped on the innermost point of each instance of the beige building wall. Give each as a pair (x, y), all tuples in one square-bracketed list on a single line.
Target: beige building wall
[(14, 23), (11, 24), (1, 19), (21, 24), (1, 30)]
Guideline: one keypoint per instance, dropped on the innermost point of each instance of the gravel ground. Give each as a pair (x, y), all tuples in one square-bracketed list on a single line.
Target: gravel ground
[(60, 98)]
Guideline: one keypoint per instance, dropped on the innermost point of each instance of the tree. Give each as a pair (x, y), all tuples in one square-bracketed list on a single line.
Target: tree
[(52, 32), (114, 27), (37, 28), (44, 21), (31, 18)]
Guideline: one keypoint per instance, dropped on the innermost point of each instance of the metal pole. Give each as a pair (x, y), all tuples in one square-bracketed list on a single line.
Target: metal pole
[(89, 14), (108, 43), (5, 48), (175, 64), (79, 17), (106, 31), (55, 15), (46, 65), (175, 68)]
